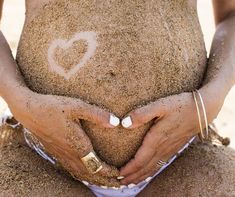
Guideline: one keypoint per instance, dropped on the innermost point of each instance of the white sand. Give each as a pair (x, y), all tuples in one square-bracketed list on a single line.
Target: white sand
[(13, 18)]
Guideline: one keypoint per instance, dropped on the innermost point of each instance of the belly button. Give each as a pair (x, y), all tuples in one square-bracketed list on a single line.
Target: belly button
[(112, 74)]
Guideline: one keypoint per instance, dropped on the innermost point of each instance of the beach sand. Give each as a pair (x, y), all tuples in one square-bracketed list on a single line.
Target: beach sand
[(12, 23), (11, 26)]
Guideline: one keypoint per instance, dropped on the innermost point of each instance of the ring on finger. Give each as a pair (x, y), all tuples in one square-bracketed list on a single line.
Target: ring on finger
[(92, 163), (161, 163)]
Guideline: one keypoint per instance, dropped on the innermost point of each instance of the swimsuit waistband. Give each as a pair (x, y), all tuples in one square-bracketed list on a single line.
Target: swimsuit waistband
[(100, 191)]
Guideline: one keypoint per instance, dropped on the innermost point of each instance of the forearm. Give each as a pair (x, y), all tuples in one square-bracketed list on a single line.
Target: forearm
[(11, 81), (221, 65), (222, 56), (220, 75)]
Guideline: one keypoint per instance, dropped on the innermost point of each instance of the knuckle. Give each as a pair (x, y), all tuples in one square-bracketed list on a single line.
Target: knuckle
[(96, 115), (163, 106), (85, 149), (68, 109), (137, 116), (153, 169), (138, 164), (145, 171), (78, 107)]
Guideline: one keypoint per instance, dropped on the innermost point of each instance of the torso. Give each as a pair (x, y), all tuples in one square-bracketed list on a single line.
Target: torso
[(145, 50)]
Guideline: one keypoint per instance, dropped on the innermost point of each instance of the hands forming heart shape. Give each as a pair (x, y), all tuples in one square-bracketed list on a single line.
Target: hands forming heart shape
[(167, 135)]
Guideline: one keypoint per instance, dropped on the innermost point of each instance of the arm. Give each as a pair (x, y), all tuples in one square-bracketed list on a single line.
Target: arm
[(222, 9), (175, 119), (1, 4), (11, 83), (220, 75), (54, 120)]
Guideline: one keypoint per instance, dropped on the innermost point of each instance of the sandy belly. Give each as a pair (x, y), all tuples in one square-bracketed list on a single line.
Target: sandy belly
[(117, 55)]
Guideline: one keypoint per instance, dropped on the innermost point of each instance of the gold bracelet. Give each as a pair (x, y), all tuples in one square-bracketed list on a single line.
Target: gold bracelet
[(204, 114), (201, 135)]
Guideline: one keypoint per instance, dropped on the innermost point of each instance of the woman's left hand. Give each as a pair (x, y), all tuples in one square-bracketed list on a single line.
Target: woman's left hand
[(175, 123)]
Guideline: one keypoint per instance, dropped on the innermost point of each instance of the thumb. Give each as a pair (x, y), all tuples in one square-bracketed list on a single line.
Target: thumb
[(94, 114), (140, 116)]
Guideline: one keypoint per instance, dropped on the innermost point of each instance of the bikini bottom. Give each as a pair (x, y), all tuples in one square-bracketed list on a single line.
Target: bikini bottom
[(100, 191)]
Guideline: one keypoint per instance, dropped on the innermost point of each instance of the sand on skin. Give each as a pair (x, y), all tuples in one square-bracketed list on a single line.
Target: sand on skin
[(126, 71), (225, 121), (202, 170)]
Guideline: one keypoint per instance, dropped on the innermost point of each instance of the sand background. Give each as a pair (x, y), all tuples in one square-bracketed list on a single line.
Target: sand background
[(12, 22)]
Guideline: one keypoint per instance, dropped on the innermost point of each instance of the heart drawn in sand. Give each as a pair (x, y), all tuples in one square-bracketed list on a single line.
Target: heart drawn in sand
[(89, 37)]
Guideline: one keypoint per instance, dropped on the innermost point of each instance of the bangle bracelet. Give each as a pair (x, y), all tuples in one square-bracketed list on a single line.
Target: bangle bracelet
[(201, 135), (204, 114)]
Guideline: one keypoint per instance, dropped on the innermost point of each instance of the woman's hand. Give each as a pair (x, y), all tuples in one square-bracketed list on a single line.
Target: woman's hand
[(55, 121), (175, 123)]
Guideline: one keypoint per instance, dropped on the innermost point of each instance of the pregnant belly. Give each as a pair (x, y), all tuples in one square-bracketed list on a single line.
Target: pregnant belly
[(115, 55)]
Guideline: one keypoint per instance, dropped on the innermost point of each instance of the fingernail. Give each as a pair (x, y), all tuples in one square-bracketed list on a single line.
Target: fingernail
[(120, 177), (127, 122), (148, 179), (104, 187), (123, 186), (131, 185), (114, 121), (85, 183), (115, 188)]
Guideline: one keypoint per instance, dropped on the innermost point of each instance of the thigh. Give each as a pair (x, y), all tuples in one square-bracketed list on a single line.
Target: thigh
[(24, 173), (203, 170)]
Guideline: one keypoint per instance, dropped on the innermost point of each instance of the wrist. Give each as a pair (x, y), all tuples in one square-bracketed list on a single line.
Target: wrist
[(213, 95), (16, 96)]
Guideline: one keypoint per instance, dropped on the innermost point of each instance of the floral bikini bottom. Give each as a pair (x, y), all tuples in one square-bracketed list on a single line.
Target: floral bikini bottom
[(124, 191)]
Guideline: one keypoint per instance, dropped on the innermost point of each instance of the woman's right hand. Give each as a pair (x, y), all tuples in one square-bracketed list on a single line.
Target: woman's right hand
[(55, 121)]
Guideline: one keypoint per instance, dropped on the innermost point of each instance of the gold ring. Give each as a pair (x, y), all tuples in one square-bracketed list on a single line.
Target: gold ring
[(161, 163), (92, 163)]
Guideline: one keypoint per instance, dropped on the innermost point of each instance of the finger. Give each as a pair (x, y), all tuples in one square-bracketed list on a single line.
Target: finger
[(164, 153), (82, 144), (82, 110), (77, 139), (109, 171), (145, 153), (70, 160), (148, 170), (147, 177), (149, 167), (136, 178), (144, 114)]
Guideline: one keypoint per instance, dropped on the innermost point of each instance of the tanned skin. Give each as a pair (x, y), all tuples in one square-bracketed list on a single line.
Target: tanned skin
[(1, 5), (163, 139)]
